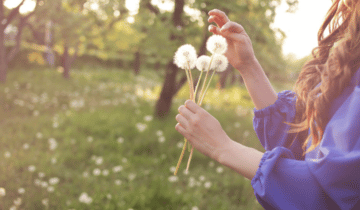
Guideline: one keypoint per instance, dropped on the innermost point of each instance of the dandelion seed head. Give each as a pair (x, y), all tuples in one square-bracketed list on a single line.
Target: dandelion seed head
[(219, 169), (45, 201), (202, 178), (41, 175), (159, 133), (26, 146), (120, 140), (203, 62), (44, 184), (161, 139), (148, 118), (216, 44), (185, 57), (132, 176), (220, 63), (141, 127)]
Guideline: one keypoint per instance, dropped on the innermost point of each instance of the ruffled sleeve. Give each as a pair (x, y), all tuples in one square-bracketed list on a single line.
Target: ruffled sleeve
[(328, 178), (270, 127)]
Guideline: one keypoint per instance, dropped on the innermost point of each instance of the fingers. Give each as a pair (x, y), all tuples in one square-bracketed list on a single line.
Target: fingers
[(192, 106), (182, 120), (185, 112), (218, 16), (180, 129), (231, 27)]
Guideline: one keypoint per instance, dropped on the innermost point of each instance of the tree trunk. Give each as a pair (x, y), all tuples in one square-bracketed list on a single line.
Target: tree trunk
[(168, 91), (3, 61), (66, 62), (137, 62)]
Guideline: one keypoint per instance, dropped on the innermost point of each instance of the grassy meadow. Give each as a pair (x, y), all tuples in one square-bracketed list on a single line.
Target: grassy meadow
[(92, 142)]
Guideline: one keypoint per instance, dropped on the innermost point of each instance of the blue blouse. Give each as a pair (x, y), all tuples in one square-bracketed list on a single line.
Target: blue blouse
[(325, 178)]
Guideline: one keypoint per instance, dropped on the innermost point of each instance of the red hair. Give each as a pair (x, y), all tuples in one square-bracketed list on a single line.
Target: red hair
[(333, 64)]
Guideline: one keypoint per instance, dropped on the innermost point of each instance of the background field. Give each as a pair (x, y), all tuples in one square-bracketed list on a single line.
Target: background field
[(96, 134)]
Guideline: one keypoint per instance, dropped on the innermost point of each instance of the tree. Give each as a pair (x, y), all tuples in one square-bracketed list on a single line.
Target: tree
[(7, 17)]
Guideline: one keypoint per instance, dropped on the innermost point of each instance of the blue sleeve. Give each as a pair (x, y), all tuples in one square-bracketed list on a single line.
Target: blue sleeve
[(270, 127), (328, 178)]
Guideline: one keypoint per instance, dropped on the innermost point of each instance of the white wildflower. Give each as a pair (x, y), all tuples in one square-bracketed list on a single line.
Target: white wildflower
[(185, 57), (203, 62), (219, 169), (90, 138), (96, 172), (26, 146), (12, 208), (2, 192), (31, 168), (132, 176), (17, 201), (148, 118), (21, 190), (180, 144), (105, 172), (85, 198), (195, 208), (141, 127), (118, 182), (219, 63), (54, 180), (85, 174), (52, 144), (99, 160), (202, 178), (37, 182), (45, 201), (39, 135), (207, 185), (7, 154), (109, 196), (41, 175), (53, 160), (44, 184), (120, 140), (161, 139), (173, 178), (172, 169), (50, 189), (159, 133), (117, 169), (216, 44)]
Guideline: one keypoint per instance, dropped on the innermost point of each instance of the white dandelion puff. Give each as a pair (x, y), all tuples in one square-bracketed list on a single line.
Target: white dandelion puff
[(50, 189), (203, 62), (216, 44), (117, 169), (219, 170), (17, 201), (7, 154), (105, 172), (219, 63), (207, 185), (173, 178), (185, 57), (96, 172), (118, 182)]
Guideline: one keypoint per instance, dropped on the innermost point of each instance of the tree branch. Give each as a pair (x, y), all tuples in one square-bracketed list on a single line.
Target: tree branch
[(15, 12)]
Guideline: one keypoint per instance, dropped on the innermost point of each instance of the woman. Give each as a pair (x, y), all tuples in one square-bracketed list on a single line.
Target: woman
[(311, 136)]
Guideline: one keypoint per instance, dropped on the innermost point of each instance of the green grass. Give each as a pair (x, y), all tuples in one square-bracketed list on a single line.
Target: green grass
[(95, 118)]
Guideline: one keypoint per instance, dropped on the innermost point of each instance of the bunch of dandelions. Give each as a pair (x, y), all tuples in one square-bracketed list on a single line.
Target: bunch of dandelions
[(185, 58)]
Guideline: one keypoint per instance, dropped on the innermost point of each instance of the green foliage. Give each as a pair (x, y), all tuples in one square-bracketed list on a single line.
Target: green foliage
[(102, 119)]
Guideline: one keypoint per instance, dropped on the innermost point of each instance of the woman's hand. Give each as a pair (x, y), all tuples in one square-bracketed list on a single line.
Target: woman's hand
[(240, 52), (202, 130)]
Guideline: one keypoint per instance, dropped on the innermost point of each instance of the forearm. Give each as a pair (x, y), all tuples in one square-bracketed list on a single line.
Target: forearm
[(242, 159), (258, 85)]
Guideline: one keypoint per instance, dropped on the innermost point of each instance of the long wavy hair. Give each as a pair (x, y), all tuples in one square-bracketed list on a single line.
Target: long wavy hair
[(333, 64)]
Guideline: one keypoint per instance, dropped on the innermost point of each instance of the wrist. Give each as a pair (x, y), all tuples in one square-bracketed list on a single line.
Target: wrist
[(250, 69)]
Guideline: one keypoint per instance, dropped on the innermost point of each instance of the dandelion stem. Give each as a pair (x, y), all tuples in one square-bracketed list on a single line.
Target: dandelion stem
[(181, 157), (192, 86), (198, 84), (188, 163), (207, 87), (188, 79)]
